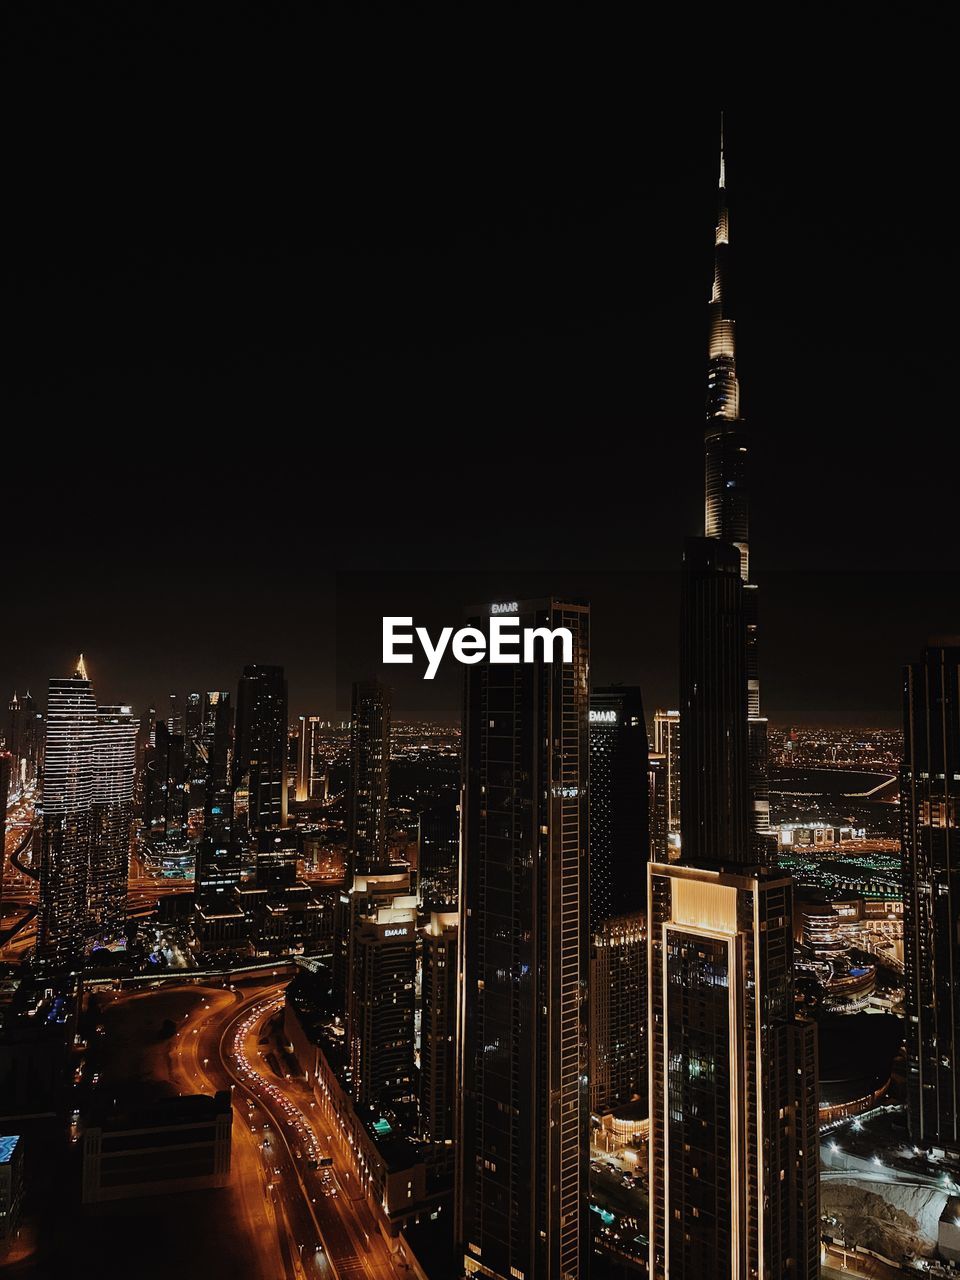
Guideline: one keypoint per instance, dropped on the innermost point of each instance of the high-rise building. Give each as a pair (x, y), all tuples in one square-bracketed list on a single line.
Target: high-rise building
[(713, 706), (311, 768), (522, 1160), (619, 819), (86, 813), (619, 853), (732, 1072), (368, 792), (260, 745), (930, 827), (618, 1011), (733, 1099), (111, 821), (23, 738), (657, 804), (727, 506), (666, 742), (215, 738), (166, 791), (381, 999), (368, 797), (64, 830), (438, 1027)]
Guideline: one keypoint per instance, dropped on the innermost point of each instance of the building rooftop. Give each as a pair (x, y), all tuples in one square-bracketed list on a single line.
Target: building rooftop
[(8, 1146)]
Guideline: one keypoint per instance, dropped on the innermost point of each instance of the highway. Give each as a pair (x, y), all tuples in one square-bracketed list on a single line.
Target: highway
[(288, 1208)]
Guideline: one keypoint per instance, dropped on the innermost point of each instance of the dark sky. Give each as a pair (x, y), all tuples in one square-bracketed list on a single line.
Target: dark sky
[(291, 308)]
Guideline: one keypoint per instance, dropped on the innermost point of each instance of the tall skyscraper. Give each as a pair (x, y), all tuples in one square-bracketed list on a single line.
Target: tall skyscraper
[(381, 1000), (111, 821), (260, 748), (368, 791), (666, 742), (930, 827), (166, 791), (311, 770), (23, 736), (657, 805), (733, 1074), (713, 708), (733, 1099), (438, 1027), (215, 736), (523, 1152), (368, 795), (618, 1011), (619, 853), (64, 831), (619, 825), (727, 507)]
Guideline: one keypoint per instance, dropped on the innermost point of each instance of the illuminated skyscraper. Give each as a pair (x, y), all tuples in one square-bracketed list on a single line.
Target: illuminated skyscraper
[(215, 735), (114, 771), (733, 1074), (727, 513), (713, 696), (438, 1027), (64, 832), (619, 827), (618, 1011), (666, 741), (311, 770), (619, 852), (368, 795), (381, 997), (930, 826), (260, 748), (733, 1081), (522, 1161)]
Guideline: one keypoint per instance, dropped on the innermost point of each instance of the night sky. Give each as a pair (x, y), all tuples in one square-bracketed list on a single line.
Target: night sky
[(298, 322)]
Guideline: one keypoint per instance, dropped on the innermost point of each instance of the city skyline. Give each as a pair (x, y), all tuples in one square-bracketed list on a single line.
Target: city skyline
[(581, 963), (627, 209)]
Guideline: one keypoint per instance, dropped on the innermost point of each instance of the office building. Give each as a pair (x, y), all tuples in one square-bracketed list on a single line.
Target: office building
[(260, 746), (733, 1099), (522, 1162), (65, 819), (666, 742), (619, 818), (368, 795), (438, 1027), (657, 805), (713, 708), (930, 830), (618, 1012), (311, 766), (368, 798), (381, 997), (111, 822), (175, 1144)]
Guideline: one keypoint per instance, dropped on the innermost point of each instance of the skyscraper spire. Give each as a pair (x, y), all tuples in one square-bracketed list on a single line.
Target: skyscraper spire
[(727, 514), (727, 508), (81, 671)]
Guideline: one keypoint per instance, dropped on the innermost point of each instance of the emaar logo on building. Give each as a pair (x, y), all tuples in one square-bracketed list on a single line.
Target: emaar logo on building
[(507, 642)]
